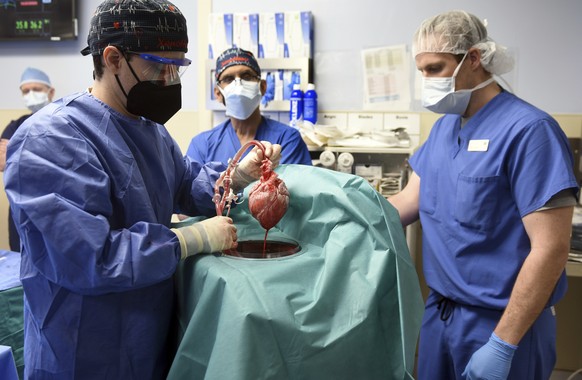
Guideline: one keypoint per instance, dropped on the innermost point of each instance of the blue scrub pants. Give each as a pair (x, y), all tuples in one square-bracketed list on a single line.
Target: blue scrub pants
[(446, 346)]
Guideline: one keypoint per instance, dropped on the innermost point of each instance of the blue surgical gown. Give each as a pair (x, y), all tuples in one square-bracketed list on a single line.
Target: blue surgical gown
[(13, 238), (92, 193), (476, 185), (221, 143)]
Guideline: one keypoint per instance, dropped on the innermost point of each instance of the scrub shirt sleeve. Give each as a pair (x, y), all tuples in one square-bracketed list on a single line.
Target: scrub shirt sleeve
[(62, 201), (540, 166), (294, 150), (197, 187), (11, 128), (197, 149), (419, 160)]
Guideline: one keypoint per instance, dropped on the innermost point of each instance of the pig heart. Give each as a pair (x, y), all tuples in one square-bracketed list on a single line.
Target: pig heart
[(269, 198)]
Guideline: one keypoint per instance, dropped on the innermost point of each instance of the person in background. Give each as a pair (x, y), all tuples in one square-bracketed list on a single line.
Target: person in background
[(239, 87), (494, 189), (37, 91), (93, 180)]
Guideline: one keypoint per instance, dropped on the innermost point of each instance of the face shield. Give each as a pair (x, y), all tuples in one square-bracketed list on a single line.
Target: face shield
[(157, 95), (161, 70)]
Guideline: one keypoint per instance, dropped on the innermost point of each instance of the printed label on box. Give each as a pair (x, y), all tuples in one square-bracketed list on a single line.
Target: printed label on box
[(246, 32), (219, 33)]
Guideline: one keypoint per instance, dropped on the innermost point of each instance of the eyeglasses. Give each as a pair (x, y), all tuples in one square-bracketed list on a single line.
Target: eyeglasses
[(164, 69), (247, 77)]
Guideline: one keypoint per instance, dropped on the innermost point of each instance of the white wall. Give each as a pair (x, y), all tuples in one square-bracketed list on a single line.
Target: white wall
[(545, 34)]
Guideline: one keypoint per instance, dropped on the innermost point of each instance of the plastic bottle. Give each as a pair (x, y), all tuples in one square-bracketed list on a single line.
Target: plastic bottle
[(296, 106), (310, 104)]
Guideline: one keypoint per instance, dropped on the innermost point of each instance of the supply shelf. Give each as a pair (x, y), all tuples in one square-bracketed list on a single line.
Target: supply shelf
[(386, 169), (574, 269)]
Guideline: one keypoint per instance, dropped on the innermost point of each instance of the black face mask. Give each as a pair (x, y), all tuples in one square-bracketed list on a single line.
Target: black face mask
[(152, 101), (157, 103)]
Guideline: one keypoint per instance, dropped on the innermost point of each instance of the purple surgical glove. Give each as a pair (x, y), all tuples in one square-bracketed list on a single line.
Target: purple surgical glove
[(492, 361)]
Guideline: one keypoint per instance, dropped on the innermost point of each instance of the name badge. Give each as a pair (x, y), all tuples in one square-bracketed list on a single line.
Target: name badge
[(478, 145)]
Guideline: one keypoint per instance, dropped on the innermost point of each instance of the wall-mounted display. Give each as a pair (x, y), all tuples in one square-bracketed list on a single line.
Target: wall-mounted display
[(51, 20)]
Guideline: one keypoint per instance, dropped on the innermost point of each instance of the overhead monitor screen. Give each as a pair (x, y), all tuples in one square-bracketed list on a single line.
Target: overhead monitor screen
[(38, 20)]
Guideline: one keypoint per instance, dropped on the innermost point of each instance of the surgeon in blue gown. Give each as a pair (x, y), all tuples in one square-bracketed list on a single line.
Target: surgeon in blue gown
[(239, 87), (93, 180), (494, 189)]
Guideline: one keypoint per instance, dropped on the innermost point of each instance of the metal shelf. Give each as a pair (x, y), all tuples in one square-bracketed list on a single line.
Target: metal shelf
[(392, 160), (372, 150), (574, 269)]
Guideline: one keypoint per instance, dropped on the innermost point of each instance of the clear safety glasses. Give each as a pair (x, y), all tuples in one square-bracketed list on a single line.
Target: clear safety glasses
[(244, 77), (162, 70)]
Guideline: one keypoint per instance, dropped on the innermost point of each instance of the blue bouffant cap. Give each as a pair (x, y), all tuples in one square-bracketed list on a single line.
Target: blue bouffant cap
[(236, 56), (137, 25), (32, 75)]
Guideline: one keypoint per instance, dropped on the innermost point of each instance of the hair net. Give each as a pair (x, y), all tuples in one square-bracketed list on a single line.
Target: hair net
[(455, 32), (137, 25), (32, 75)]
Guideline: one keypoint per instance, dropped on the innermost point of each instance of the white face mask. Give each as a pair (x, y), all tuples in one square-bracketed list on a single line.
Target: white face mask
[(241, 98), (35, 100), (439, 95)]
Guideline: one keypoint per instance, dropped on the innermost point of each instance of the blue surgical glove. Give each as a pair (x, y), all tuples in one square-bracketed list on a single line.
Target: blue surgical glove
[(492, 361), (270, 92)]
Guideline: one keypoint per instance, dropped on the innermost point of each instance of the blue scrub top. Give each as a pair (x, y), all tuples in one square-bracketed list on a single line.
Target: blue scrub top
[(221, 143), (477, 183), (92, 192)]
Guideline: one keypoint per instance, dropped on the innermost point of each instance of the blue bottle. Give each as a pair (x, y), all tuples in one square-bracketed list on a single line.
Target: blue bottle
[(296, 106), (310, 104)]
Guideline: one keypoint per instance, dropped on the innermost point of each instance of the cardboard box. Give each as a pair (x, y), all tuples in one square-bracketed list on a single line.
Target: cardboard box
[(271, 35), (298, 35), (219, 33), (246, 32)]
